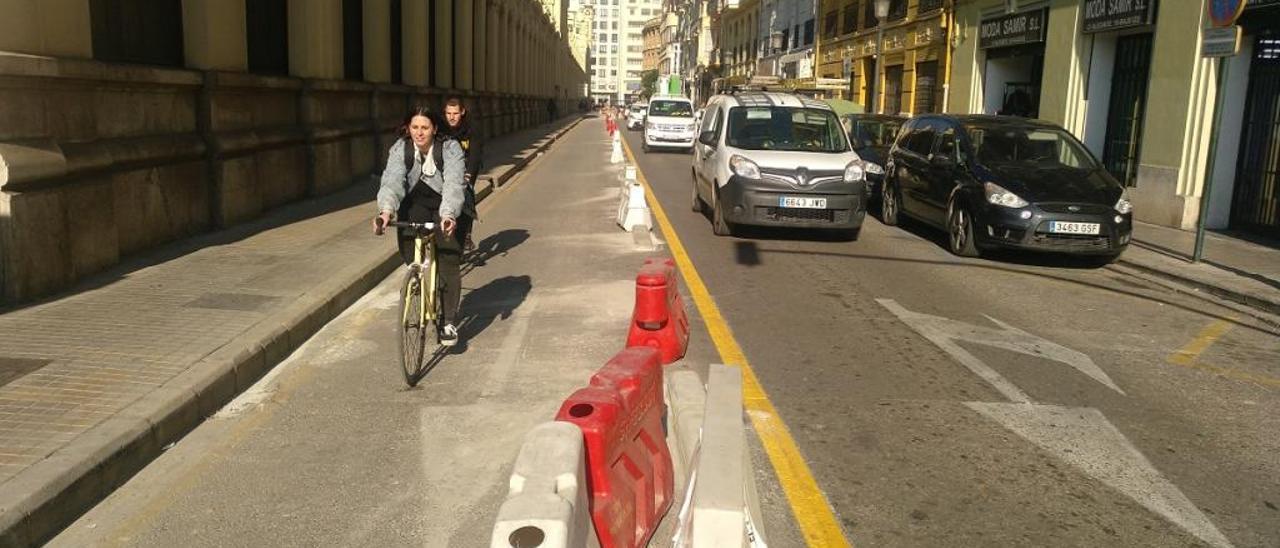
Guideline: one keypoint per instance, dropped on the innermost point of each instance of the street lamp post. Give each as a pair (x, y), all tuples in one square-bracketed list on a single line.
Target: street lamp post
[(882, 11)]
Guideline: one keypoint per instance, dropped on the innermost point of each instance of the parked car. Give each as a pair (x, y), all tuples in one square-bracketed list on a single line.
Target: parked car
[(775, 159), (635, 115), (998, 181), (669, 123), (871, 135)]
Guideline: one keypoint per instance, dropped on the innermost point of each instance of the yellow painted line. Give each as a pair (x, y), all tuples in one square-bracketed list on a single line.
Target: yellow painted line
[(1189, 356), (1189, 353), (809, 505)]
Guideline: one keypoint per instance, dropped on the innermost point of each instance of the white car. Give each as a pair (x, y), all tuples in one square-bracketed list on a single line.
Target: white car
[(776, 159), (635, 115), (669, 124)]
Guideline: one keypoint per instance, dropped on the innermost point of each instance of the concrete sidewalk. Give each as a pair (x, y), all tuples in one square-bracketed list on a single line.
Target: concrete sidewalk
[(1234, 269), (97, 382)]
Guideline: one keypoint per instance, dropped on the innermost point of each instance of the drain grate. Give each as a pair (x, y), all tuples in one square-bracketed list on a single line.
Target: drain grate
[(246, 302), (12, 369)]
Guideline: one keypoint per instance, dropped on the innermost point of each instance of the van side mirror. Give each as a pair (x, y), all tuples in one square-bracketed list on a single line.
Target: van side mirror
[(707, 138)]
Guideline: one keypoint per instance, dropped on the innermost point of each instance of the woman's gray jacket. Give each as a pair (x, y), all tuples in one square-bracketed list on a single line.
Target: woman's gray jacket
[(447, 182)]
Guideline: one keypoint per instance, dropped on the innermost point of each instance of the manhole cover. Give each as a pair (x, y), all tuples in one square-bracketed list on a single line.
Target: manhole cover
[(246, 302)]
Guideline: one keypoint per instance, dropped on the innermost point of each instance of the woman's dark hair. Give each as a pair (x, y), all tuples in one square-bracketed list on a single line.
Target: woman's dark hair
[(415, 112)]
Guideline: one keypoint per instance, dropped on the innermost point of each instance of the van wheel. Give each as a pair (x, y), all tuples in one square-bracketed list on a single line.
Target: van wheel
[(698, 206), (719, 226)]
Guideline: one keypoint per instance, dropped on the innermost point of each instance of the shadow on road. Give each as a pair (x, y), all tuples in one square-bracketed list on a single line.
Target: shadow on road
[(1019, 257), (493, 246), (485, 304), (1239, 322)]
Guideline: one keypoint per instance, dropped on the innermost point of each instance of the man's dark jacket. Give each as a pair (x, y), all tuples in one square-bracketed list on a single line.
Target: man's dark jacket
[(473, 147)]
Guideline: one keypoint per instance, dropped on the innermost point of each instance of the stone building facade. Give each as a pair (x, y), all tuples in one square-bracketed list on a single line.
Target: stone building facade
[(128, 124)]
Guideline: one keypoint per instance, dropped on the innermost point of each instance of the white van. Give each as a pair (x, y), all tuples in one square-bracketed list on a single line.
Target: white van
[(669, 123), (776, 159)]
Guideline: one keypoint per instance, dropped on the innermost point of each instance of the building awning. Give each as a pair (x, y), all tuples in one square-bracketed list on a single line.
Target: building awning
[(795, 57)]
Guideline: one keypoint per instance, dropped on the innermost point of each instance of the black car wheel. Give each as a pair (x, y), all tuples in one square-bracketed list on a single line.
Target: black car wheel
[(719, 226), (697, 201), (889, 203), (960, 231)]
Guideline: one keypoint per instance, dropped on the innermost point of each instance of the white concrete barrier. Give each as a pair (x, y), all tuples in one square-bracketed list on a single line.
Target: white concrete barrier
[(722, 507), (686, 399), (616, 155), (633, 210), (546, 502)]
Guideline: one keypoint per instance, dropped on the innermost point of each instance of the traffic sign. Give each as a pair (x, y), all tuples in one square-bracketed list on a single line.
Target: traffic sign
[(1220, 42), (1224, 13)]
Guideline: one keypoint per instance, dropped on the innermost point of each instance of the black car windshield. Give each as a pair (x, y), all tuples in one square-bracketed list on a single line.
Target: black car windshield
[(785, 128), (1028, 146), (677, 109), (872, 133)]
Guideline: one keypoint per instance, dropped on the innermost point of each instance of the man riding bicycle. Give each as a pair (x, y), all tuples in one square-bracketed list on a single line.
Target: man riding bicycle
[(423, 182)]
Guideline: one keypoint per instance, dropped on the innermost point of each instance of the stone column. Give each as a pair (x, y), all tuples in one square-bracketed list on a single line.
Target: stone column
[(492, 49), (213, 35), (443, 32), (315, 44), (480, 39), (59, 28), (415, 44), (376, 25), (464, 41)]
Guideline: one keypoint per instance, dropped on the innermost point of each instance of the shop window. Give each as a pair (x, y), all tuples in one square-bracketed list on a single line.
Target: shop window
[(353, 39), (267, 36), (137, 31), (926, 87)]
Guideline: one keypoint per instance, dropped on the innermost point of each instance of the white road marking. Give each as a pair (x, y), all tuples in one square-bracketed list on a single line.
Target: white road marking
[(943, 332), (1084, 438)]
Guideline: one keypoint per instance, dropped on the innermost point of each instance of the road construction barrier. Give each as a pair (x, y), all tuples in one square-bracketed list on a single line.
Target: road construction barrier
[(633, 209), (616, 155), (723, 507), (659, 318), (547, 494), (628, 463)]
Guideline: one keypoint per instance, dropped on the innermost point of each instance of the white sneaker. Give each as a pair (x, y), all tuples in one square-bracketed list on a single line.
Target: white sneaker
[(448, 335)]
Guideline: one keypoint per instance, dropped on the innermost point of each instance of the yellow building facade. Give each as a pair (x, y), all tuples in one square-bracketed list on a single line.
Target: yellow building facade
[(915, 53)]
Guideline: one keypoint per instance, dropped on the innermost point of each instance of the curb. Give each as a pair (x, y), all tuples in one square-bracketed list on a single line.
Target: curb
[(1261, 304), (39, 502)]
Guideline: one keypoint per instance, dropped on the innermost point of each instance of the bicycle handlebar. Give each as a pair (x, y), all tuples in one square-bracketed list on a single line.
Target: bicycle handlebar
[(422, 228)]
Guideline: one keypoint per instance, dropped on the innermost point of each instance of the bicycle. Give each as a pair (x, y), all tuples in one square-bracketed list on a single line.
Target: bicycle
[(420, 300)]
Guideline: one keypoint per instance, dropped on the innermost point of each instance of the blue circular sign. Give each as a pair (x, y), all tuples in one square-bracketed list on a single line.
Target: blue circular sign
[(1225, 12)]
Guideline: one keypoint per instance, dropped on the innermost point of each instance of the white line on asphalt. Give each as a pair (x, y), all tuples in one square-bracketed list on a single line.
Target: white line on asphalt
[(1084, 438)]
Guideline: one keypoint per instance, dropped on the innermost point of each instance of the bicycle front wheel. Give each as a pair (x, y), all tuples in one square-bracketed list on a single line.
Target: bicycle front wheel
[(414, 327)]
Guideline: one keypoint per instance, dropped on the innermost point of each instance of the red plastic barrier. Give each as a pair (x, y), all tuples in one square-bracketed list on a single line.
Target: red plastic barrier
[(629, 473), (659, 318)]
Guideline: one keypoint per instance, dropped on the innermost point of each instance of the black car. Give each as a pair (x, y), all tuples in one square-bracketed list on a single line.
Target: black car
[(997, 181), (871, 136)]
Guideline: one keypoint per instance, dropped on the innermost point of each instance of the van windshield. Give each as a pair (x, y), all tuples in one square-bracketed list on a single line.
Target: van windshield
[(675, 109), (785, 128)]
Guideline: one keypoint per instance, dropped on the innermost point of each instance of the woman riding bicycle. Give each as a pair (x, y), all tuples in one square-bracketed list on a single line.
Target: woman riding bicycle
[(428, 188)]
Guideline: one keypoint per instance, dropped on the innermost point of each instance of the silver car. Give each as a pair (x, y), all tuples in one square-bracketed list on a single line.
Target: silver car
[(776, 159)]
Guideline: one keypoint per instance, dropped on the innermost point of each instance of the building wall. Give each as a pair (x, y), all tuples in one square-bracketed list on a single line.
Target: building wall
[(101, 160), (913, 39)]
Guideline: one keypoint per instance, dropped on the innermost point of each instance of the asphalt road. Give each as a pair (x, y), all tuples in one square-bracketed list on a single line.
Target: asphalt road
[(331, 448), (1020, 400)]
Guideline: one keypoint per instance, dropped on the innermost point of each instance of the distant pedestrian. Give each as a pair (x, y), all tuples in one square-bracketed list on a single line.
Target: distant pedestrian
[(551, 110)]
